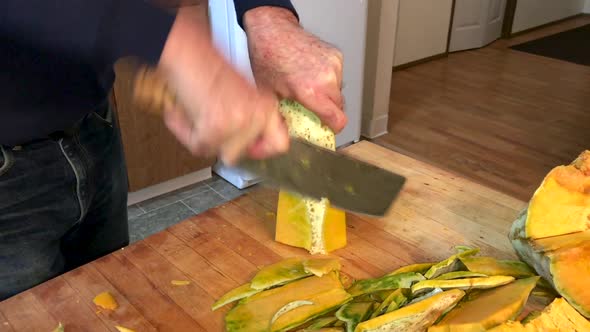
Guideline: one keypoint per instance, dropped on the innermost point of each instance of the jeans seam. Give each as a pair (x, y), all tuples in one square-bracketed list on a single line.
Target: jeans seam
[(8, 161), (78, 181)]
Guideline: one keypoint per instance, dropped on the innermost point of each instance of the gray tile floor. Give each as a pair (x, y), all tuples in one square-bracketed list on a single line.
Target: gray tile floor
[(156, 214)]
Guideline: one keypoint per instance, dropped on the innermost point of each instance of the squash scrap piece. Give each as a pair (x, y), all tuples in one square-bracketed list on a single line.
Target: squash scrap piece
[(319, 266), (123, 329), (415, 317), (322, 303), (321, 322), (285, 271), (464, 284), (235, 295), (460, 275), (106, 300), (418, 268), (346, 279), (354, 313), (450, 264), (288, 307), (180, 282), (304, 222), (402, 280), (427, 295), (490, 308), (393, 301), (496, 267), (255, 313)]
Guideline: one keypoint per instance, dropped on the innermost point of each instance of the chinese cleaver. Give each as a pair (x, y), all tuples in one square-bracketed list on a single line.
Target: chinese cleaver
[(306, 169)]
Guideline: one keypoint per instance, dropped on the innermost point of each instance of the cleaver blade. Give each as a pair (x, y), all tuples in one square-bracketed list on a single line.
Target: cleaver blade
[(316, 172)]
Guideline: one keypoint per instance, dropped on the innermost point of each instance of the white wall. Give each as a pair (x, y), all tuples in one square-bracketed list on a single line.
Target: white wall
[(422, 29), (532, 13), (587, 7)]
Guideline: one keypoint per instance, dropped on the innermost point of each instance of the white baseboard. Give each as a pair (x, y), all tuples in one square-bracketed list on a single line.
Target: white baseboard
[(168, 186), (375, 127)]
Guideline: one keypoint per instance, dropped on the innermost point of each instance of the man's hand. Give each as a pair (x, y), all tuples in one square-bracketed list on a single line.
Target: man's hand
[(221, 113), (295, 64)]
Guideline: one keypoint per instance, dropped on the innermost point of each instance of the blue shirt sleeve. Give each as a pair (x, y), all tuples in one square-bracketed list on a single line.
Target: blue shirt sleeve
[(99, 31), (242, 6)]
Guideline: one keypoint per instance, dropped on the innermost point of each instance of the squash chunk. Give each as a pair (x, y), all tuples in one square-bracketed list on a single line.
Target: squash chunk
[(304, 222), (561, 205), (570, 269), (489, 309), (414, 317)]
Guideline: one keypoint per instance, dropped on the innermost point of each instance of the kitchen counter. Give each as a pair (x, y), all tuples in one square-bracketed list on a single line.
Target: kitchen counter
[(223, 247)]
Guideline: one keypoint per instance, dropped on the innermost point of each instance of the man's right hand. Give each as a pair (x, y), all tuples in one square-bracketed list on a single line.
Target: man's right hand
[(221, 113)]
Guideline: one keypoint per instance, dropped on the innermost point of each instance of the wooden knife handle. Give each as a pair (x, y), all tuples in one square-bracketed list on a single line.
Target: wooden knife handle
[(151, 90)]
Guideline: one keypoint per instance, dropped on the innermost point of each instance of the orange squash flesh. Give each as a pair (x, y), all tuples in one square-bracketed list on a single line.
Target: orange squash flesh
[(304, 222), (553, 234)]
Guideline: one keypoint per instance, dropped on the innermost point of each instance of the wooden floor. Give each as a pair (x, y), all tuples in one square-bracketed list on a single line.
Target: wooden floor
[(497, 116)]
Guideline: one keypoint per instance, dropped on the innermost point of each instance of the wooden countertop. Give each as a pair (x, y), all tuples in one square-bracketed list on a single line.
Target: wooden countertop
[(222, 248)]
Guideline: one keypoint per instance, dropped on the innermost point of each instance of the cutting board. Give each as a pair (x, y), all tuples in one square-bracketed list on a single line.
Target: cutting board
[(223, 247)]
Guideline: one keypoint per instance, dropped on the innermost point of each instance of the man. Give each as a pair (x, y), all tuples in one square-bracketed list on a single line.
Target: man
[(62, 174)]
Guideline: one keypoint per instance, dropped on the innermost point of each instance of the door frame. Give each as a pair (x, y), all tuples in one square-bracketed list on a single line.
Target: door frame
[(451, 26), (508, 18)]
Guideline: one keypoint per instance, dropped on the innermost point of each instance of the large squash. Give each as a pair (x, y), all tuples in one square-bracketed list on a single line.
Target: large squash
[(304, 222), (552, 235)]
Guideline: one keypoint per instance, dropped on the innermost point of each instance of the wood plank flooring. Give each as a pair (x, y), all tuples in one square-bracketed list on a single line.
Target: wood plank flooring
[(497, 116)]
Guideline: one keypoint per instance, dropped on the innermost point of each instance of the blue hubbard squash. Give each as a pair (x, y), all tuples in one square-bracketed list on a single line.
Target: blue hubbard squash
[(553, 233)]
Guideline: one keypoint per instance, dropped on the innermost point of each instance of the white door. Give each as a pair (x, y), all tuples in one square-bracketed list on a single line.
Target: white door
[(476, 23)]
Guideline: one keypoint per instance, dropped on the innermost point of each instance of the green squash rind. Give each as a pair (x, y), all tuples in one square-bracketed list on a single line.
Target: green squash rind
[(353, 313), (450, 264), (401, 280), (280, 273), (235, 294)]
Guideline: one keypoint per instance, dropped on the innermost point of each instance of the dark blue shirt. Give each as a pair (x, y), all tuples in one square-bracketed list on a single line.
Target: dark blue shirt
[(57, 56)]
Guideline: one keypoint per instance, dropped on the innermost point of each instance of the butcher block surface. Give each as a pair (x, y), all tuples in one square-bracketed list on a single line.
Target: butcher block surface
[(223, 247)]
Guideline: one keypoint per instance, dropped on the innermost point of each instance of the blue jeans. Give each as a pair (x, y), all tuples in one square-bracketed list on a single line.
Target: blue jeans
[(63, 202)]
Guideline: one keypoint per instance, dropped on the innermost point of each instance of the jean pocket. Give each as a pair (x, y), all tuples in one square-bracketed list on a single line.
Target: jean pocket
[(6, 160)]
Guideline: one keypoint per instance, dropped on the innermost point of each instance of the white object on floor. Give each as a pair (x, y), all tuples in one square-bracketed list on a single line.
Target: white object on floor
[(238, 177), (168, 186)]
